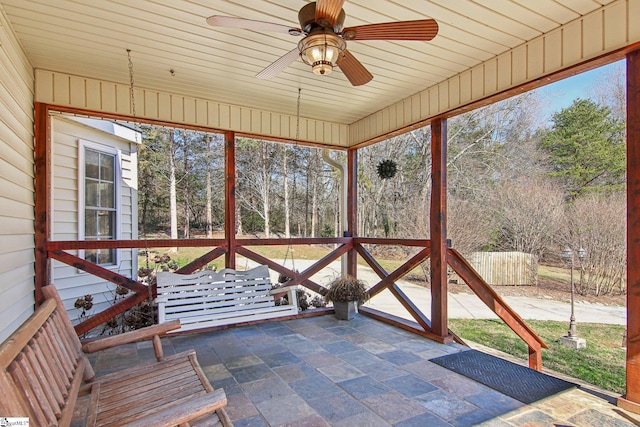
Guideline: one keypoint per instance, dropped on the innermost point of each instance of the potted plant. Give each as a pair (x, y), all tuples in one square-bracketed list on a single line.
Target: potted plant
[(346, 293)]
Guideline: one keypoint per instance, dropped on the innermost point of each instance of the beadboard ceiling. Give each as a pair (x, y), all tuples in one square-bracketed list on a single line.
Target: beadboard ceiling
[(174, 50)]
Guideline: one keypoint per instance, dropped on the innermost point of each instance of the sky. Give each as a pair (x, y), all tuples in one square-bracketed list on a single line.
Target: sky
[(561, 94)]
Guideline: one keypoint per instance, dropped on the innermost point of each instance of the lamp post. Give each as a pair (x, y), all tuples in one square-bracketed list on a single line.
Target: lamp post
[(572, 335)]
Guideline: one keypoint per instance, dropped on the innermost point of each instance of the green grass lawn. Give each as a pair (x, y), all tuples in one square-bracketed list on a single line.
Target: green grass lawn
[(602, 363)]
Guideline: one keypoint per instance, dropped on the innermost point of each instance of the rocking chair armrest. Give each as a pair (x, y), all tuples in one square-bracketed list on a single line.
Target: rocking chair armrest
[(129, 337), (185, 412)]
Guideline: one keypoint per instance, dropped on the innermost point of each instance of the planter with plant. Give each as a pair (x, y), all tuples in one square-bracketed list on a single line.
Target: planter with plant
[(347, 293)]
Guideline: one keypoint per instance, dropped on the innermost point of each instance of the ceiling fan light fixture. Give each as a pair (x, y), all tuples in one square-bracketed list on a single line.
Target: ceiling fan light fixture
[(321, 51)]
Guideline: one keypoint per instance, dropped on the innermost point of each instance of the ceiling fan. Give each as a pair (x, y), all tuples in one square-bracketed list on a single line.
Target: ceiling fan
[(324, 44)]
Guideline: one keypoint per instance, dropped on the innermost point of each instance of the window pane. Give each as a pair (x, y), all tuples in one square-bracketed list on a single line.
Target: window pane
[(107, 195), (100, 194), (92, 162), (90, 224), (106, 224), (91, 193), (107, 167), (90, 255), (106, 256)]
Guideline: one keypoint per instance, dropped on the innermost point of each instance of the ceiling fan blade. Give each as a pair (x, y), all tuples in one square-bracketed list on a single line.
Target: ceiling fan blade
[(329, 10), (278, 65), (422, 30), (353, 69), (249, 24)]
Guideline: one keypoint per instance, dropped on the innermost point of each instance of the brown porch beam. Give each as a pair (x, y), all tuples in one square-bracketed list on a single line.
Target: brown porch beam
[(293, 241), (280, 269), (352, 208), (42, 202), (438, 227), (99, 271), (631, 400), (401, 271), (415, 312), (111, 312), (405, 324), (230, 198), (322, 263), (385, 241), (67, 245), (499, 307), (202, 261)]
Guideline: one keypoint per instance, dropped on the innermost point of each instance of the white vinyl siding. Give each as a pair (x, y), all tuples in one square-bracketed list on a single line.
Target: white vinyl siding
[(17, 227), (69, 138)]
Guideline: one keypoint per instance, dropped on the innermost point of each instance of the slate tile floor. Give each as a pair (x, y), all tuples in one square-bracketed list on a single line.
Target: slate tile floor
[(323, 372)]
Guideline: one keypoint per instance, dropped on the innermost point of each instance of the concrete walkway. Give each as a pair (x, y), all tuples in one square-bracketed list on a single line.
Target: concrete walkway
[(469, 306)]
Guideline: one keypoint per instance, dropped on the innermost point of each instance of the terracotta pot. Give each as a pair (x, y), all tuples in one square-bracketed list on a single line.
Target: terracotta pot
[(345, 310)]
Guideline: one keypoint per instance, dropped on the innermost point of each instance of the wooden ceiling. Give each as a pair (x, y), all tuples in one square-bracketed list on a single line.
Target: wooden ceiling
[(174, 50)]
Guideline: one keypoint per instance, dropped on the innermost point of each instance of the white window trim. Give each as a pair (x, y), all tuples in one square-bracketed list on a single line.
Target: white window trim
[(82, 146)]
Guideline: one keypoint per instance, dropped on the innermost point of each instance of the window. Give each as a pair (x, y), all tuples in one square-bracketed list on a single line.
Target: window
[(100, 202)]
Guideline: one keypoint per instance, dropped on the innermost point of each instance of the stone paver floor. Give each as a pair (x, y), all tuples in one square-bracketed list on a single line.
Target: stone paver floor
[(320, 371)]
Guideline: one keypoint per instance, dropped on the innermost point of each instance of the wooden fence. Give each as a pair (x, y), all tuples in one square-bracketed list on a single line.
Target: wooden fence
[(505, 268)]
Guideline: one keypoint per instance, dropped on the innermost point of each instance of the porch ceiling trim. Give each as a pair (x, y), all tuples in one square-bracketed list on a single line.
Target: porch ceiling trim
[(603, 31), (606, 30), (112, 98)]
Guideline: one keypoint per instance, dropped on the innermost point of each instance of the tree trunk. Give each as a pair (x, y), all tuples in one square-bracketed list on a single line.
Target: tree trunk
[(209, 217), (314, 197), (239, 230), (173, 203), (186, 185), (287, 212), (306, 198), (265, 189)]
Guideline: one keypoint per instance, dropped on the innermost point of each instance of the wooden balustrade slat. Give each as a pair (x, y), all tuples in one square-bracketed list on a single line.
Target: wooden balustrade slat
[(498, 306), (395, 290)]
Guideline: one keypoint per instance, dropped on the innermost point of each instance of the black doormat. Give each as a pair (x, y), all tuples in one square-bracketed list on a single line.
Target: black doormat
[(522, 383)]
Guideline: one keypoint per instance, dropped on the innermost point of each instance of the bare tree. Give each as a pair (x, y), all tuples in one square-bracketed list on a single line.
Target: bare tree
[(173, 203), (285, 178), (209, 216), (597, 223), (314, 195), (266, 184), (529, 213), (185, 147), (470, 224), (611, 90)]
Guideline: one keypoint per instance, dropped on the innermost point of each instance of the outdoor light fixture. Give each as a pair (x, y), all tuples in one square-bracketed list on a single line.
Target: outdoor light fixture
[(571, 339), (321, 50)]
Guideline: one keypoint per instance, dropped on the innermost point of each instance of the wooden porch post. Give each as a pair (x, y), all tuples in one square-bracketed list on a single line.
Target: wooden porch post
[(230, 198), (352, 208), (438, 228), (42, 202), (631, 401)]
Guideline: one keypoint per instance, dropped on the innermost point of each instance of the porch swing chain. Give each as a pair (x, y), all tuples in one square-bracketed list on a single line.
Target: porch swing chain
[(135, 124), (131, 91), (289, 247)]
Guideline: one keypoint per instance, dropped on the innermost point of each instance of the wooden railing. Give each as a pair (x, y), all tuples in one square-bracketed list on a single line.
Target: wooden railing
[(495, 302), (422, 325)]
